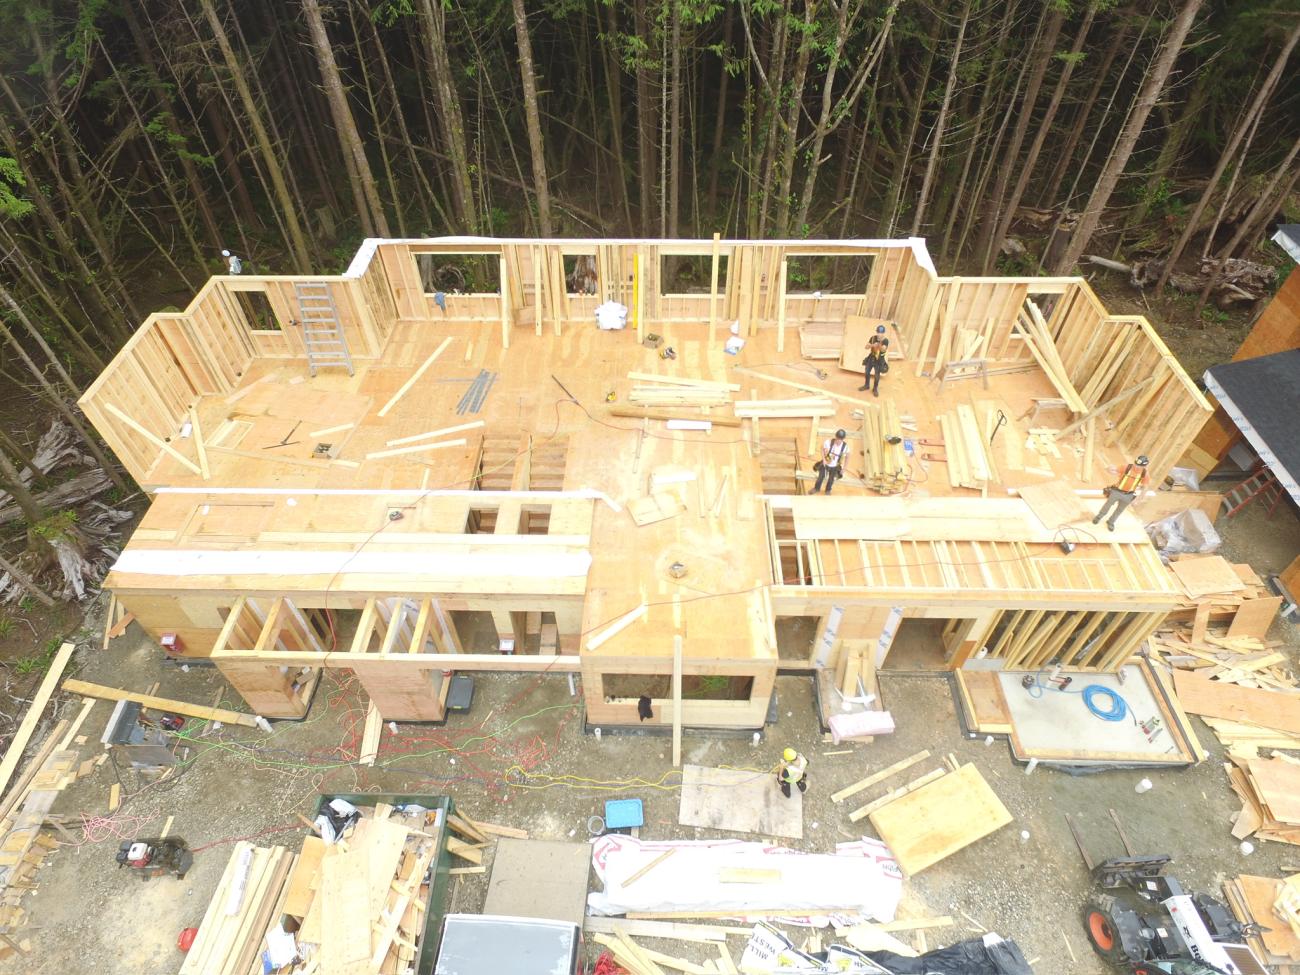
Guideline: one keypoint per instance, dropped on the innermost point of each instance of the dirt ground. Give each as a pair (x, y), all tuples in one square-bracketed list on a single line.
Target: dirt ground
[(521, 757)]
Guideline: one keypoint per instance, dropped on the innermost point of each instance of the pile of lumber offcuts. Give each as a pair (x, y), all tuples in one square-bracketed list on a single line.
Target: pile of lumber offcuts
[(966, 450), (1270, 792), (1222, 593), (350, 907), (884, 462), (651, 389), (1271, 904)]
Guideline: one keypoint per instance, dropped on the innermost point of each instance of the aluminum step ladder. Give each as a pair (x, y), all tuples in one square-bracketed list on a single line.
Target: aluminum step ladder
[(322, 332), (1261, 484)]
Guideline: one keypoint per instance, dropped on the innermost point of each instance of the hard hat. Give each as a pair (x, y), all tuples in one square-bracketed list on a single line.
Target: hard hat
[(225, 253), (880, 330), (789, 754), (840, 434), (1142, 460)]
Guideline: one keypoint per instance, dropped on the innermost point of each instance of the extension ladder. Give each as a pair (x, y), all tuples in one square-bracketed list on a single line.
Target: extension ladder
[(1260, 484), (322, 332)]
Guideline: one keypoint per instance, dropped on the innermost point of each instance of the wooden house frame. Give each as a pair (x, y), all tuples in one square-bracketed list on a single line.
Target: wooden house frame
[(258, 542)]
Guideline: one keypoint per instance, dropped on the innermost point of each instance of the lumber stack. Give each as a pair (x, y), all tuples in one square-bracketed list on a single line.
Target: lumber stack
[(801, 407), (651, 389), (1256, 899), (884, 464), (966, 450), (230, 936), (821, 340), (1036, 335)]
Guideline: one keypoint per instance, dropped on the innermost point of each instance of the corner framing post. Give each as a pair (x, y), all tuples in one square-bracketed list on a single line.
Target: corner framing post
[(780, 312), (713, 292), (638, 296), (505, 305)]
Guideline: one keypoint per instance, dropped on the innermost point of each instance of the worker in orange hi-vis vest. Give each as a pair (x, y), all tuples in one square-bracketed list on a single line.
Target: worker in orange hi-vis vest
[(1121, 494)]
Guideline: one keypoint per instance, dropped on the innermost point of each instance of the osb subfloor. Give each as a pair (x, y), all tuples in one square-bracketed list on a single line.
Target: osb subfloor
[(265, 433)]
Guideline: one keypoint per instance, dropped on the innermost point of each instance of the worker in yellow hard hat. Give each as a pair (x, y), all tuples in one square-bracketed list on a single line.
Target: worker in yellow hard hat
[(793, 771)]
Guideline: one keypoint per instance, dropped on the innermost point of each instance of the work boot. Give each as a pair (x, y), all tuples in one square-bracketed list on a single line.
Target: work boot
[(875, 392), (1110, 525), (803, 786), (861, 388), (785, 789), (1097, 520)]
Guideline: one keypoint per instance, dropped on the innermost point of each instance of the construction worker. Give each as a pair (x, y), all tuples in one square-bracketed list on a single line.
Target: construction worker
[(235, 264), (875, 361), (831, 466), (1121, 494), (793, 771)]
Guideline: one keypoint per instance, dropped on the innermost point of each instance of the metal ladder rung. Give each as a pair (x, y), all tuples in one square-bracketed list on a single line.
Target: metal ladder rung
[(322, 333)]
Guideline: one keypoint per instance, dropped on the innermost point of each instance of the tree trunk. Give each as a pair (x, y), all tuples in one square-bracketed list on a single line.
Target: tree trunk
[(647, 122), (452, 121), (936, 137), (1267, 203), (1239, 132), (1044, 128), (15, 488), (720, 118), (297, 241), (24, 580), (674, 117), (903, 156), (1151, 88), (614, 93), (369, 208), (988, 244), (791, 127), (536, 147), (381, 140), (55, 397)]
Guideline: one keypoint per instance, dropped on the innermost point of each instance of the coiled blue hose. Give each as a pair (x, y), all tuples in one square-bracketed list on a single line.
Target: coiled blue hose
[(1117, 710)]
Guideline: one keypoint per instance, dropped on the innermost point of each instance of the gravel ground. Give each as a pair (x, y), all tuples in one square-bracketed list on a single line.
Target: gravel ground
[(89, 916)]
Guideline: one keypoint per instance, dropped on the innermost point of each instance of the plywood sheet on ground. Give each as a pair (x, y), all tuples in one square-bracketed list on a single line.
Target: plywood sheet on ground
[(1254, 617), (937, 820), (1260, 893), (743, 801), (1200, 695), (539, 878), (1278, 784), (1057, 726), (1201, 577)]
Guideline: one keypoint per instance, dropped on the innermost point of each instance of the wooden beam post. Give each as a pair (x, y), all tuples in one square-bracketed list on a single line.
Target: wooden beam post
[(780, 307), (638, 296), (505, 304), (713, 292), (677, 701)]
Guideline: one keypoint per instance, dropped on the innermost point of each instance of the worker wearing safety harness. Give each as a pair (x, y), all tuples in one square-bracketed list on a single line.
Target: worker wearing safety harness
[(831, 466), (793, 771), (875, 362), (1121, 494)]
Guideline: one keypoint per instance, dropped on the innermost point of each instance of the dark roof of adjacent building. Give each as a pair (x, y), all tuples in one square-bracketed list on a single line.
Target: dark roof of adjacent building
[(1262, 396)]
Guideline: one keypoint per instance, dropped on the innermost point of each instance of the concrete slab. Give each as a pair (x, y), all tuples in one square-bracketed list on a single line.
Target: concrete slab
[(539, 878)]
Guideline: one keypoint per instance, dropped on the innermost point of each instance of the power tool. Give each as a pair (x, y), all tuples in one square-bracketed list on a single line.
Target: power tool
[(155, 857)]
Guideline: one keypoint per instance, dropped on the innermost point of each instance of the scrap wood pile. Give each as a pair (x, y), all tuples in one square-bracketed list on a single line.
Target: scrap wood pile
[(1270, 792), (1220, 635), (1273, 905)]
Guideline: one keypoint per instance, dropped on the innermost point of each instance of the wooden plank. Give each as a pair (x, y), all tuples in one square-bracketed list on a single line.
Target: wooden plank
[(665, 930), (939, 819), (196, 432), (616, 627), (883, 774), (677, 701), (688, 381), (155, 440), (304, 878), (406, 386), (748, 875), (865, 811), (87, 689), (1254, 617), (14, 753), (418, 448), (648, 867), (497, 830), (345, 924), (1205, 576), (1277, 783), (1268, 709), (370, 736), (460, 427), (647, 414)]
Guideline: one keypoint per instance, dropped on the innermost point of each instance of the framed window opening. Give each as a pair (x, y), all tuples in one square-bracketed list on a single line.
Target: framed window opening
[(459, 272), (829, 274), (581, 277), (258, 312), (690, 275)]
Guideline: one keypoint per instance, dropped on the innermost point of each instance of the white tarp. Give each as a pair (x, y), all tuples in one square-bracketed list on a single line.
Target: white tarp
[(861, 876)]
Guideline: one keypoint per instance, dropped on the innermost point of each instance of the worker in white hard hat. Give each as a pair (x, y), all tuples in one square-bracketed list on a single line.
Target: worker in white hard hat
[(1121, 494), (235, 265), (831, 466), (793, 771)]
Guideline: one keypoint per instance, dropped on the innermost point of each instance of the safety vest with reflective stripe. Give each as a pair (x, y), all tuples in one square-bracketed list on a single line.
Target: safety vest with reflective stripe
[(792, 772), (1131, 479)]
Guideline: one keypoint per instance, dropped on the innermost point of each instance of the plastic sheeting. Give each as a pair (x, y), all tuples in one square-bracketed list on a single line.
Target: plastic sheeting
[(859, 877), (989, 955), (1187, 531)]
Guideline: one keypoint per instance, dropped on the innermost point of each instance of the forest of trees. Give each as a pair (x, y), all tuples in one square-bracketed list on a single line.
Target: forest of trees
[(138, 138)]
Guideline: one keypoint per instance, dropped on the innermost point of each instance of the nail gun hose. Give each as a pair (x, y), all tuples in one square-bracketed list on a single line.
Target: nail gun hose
[(1117, 710)]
